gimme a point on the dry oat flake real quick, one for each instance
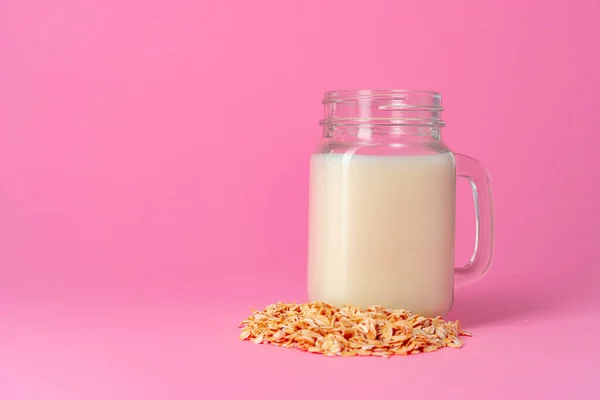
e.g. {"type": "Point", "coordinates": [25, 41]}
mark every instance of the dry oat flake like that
{"type": "Point", "coordinates": [349, 331]}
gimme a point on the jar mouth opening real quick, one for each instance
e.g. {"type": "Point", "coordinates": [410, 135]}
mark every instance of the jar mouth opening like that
{"type": "Point", "coordinates": [383, 107]}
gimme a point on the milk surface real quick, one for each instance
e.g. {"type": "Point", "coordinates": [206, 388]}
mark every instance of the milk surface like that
{"type": "Point", "coordinates": [381, 231]}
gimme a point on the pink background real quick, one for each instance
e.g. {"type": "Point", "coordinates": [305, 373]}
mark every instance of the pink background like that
{"type": "Point", "coordinates": [153, 187]}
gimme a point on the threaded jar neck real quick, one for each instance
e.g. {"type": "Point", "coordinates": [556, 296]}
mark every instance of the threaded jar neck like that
{"type": "Point", "coordinates": [388, 111]}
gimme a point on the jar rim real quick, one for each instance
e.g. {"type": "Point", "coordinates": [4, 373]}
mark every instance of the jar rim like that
{"type": "Point", "coordinates": [334, 96]}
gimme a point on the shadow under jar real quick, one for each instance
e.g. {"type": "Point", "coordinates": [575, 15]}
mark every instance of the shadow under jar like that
{"type": "Point", "coordinates": [382, 205]}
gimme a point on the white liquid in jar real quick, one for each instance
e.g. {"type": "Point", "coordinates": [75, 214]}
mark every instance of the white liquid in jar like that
{"type": "Point", "coordinates": [382, 231]}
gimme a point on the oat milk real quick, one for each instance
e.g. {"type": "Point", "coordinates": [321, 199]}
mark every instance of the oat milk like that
{"type": "Point", "coordinates": [382, 231]}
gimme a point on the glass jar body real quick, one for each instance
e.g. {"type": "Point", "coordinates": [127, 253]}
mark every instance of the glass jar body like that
{"type": "Point", "coordinates": [382, 219]}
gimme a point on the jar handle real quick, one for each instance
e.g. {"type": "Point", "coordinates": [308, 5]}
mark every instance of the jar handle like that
{"type": "Point", "coordinates": [479, 178]}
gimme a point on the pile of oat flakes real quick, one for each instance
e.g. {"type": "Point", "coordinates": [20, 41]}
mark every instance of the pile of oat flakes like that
{"type": "Point", "coordinates": [349, 331]}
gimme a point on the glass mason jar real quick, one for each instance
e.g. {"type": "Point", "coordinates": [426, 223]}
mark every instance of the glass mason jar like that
{"type": "Point", "coordinates": [382, 204]}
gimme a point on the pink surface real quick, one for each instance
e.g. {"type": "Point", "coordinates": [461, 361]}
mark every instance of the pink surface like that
{"type": "Point", "coordinates": [153, 187]}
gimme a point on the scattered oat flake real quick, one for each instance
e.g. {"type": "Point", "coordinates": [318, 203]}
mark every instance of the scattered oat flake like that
{"type": "Point", "coordinates": [321, 328]}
